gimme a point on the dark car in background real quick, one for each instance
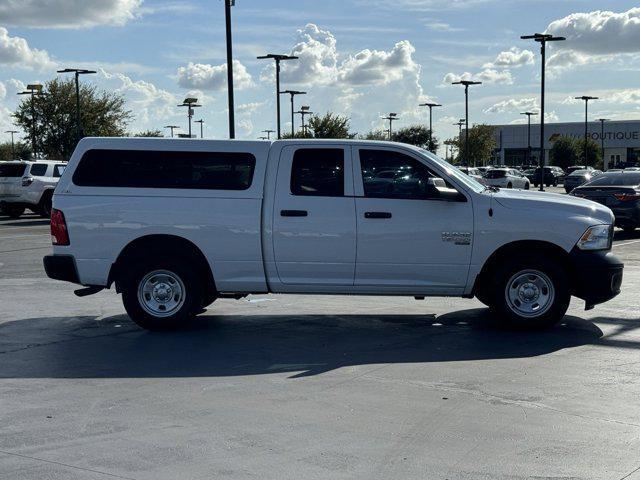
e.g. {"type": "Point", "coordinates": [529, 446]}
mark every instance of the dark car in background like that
{"type": "Point", "coordinates": [552, 176]}
{"type": "Point", "coordinates": [620, 191]}
{"type": "Point", "coordinates": [574, 168]}
{"type": "Point", "coordinates": [579, 177]}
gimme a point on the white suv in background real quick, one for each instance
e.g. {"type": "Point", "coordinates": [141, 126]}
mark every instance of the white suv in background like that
{"type": "Point", "coordinates": [506, 178]}
{"type": "Point", "coordinates": [29, 185]}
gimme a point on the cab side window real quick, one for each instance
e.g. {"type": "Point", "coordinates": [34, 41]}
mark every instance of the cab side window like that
{"type": "Point", "coordinates": [389, 174]}
{"type": "Point", "coordinates": [318, 172]}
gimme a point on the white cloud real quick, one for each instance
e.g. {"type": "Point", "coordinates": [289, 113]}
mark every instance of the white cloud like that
{"type": "Point", "coordinates": [213, 77]}
{"type": "Point", "coordinates": [600, 32]}
{"type": "Point", "coordinates": [512, 58]}
{"type": "Point", "coordinates": [245, 126]}
{"type": "Point", "coordinates": [514, 105]}
{"type": "Point", "coordinates": [374, 67]}
{"type": "Point", "coordinates": [439, 26]}
{"type": "Point", "coordinates": [67, 13]}
{"type": "Point", "coordinates": [3, 91]}
{"type": "Point", "coordinates": [249, 108]}
{"type": "Point", "coordinates": [488, 75]}
{"type": "Point", "coordinates": [15, 52]}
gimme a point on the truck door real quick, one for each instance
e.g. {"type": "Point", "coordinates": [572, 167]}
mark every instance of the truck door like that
{"type": "Point", "coordinates": [409, 238]}
{"type": "Point", "coordinates": [314, 220]}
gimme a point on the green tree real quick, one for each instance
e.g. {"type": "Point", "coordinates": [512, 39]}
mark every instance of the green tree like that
{"type": "Point", "coordinates": [417, 135]}
{"type": "Point", "coordinates": [565, 152]}
{"type": "Point", "coordinates": [376, 135]}
{"type": "Point", "coordinates": [594, 151]}
{"type": "Point", "coordinates": [330, 125]}
{"type": "Point", "coordinates": [23, 151]}
{"type": "Point", "coordinates": [103, 115]}
{"type": "Point", "coordinates": [150, 134]}
{"type": "Point", "coordinates": [482, 142]}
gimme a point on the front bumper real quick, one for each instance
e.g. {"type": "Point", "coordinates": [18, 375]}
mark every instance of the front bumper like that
{"type": "Point", "coordinates": [61, 267]}
{"type": "Point", "coordinates": [597, 275]}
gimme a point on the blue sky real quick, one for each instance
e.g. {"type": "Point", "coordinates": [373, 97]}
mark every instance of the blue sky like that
{"type": "Point", "coordinates": [358, 58]}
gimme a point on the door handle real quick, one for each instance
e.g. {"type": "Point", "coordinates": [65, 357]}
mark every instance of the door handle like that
{"type": "Point", "coordinates": [377, 215]}
{"type": "Point", "coordinates": [294, 213]}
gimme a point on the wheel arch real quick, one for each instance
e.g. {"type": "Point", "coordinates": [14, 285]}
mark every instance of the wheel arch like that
{"type": "Point", "coordinates": [162, 243]}
{"type": "Point", "coordinates": [518, 248]}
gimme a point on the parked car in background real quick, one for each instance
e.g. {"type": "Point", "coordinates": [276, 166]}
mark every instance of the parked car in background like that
{"type": "Point", "coordinates": [28, 185]}
{"type": "Point", "coordinates": [529, 173]}
{"type": "Point", "coordinates": [620, 191]}
{"type": "Point", "coordinates": [579, 177]}
{"type": "Point", "coordinates": [506, 178]}
{"type": "Point", "coordinates": [574, 168]}
{"type": "Point", "coordinates": [473, 172]}
{"type": "Point", "coordinates": [552, 176]}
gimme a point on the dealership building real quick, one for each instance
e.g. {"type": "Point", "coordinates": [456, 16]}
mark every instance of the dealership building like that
{"type": "Point", "coordinates": [621, 141]}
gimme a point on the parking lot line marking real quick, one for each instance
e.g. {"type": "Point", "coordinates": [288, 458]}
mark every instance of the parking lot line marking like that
{"type": "Point", "coordinates": [625, 243]}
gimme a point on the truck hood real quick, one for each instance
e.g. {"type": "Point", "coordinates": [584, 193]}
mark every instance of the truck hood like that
{"type": "Point", "coordinates": [553, 202]}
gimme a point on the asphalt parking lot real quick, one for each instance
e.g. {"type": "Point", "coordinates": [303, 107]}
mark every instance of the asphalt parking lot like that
{"type": "Point", "coordinates": [297, 387]}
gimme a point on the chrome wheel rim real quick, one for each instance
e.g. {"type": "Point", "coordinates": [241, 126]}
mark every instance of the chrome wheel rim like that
{"type": "Point", "coordinates": [529, 293]}
{"type": "Point", "coordinates": [161, 293]}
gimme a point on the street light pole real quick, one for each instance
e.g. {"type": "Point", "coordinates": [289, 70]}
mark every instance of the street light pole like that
{"type": "Point", "coordinates": [13, 146]}
{"type": "Point", "coordinates": [466, 84]}
{"type": "Point", "coordinates": [227, 15]}
{"type": "Point", "coordinates": [304, 111]}
{"type": "Point", "coordinates": [431, 105]}
{"type": "Point", "coordinates": [172, 128]}
{"type": "Point", "coordinates": [33, 90]}
{"type": "Point", "coordinates": [293, 93]}
{"type": "Point", "coordinates": [528, 114]}
{"type": "Point", "coordinates": [77, 72]}
{"type": "Point", "coordinates": [391, 117]}
{"type": "Point", "coordinates": [602, 120]}
{"type": "Point", "coordinates": [190, 103]}
{"type": "Point", "coordinates": [268, 132]}
{"type": "Point", "coordinates": [586, 99]}
{"type": "Point", "coordinates": [201, 122]}
{"type": "Point", "coordinates": [542, 39]}
{"type": "Point", "coordinates": [278, 59]}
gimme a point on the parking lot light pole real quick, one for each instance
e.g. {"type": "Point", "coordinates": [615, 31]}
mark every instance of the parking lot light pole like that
{"type": "Point", "coordinates": [602, 120]}
{"type": "Point", "coordinates": [13, 145]}
{"type": "Point", "coordinates": [77, 72]}
{"type": "Point", "coordinates": [293, 93]}
{"type": "Point", "coordinates": [586, 99]}
{"type": "Point", "coordinates": [459, 124]}
{"type": "Point", "coordinates": [227, 16]}
{"type": "Point", "coordinates": [278, 59]}
{"type": "Point", "coordinates": [268, 132]}
{"type": "Point", "coordinates": [304, 111]}
{"type": "Point", "coordinates": [190, 103]}
{"type": "Point", "coordinates": [33, 90]}
{"type": "Point", "coordinates": [542, 39]}
{"type": "Point", "coordinates": [392, 117]}
{"type": "Point", "coordinates": [201, 122]}
{"type": "Point", "coordinates": [172, 128]}
{"type": "Point", "coordinates": [431, 106]}
{"type": "Point", "coordinates": [528, 114]}
{"type": "Point", "coordinates": [466, 84]}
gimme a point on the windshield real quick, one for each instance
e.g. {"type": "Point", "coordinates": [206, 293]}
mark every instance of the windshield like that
{"type": "Point", "coordinates": [616, 179]}
{"type": "Point", "coordinates": [454, 172]}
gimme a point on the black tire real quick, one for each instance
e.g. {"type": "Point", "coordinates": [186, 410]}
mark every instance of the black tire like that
{"type": "Point", "coordinates": [45, 205]}
{"type": "Point", "coordinates": [13, 211]}
{"type": "Point", "coordinates": [535, 185]}
{"type": "Point", "coordinates": [509, 185]}
{"type": "Point", "coordinates": [527, 186]}
{"type": "Point", "coordinates": [191, 288]}
{"type": "Point", "coordinates": [629, 229]}
{"type": "Point", "coordinates": [519, 272]}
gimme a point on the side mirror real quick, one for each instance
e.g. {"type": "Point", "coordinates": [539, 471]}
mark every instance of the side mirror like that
{"type": "Point", "coordinates": [439, 188]}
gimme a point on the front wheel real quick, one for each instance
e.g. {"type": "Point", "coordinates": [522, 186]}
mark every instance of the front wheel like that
{"type": "Point", "coordinates": [162, 294]}
{"type": "Point", "coordinates": [531, 291]}
{"type": "Point", "coordinates": [527, 186]}
{"type": "Point", "coordinates": [509, 185]}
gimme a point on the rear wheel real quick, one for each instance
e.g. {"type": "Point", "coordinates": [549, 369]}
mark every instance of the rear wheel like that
{"type": "Point", "coordinates": [45, 205]}
{"type": "Point", "coordinates": [530, 291]}
{"type": "Point", "coordinates": [509, 185]}
{"type": "Point", "coordinates": [162, 294]}
{"type": "Point", "coordinates": [527, 186]}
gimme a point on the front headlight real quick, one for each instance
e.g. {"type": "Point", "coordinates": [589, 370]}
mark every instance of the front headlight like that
{"type": "Point", "coordinates": [599, 237]}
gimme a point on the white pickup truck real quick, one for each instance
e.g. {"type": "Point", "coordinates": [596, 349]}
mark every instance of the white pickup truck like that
{"type": "Point", "coordinates": [177, 224]}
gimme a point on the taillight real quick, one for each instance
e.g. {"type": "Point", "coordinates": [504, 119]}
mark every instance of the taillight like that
{"type": "Point", "coordinates": [26, 181]}
{"type": "Point", "coordinates": [627, 197]}
{"type": "Point", "coordinates": [59, 233]}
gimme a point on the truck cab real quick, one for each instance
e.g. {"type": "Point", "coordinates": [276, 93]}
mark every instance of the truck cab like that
{"type": "Point", "coordinates": [176, 224]}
